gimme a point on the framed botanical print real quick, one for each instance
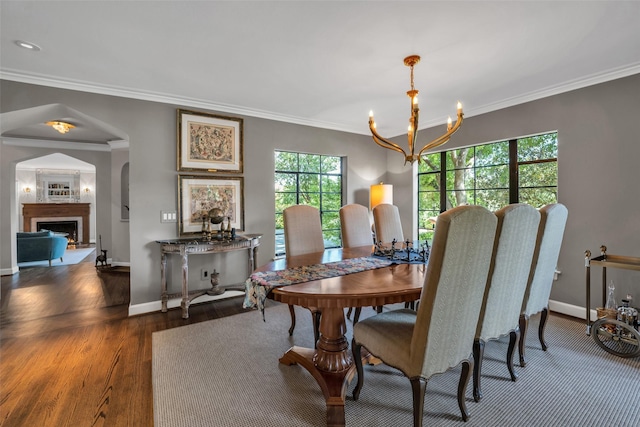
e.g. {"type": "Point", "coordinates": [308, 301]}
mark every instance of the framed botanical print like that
{"type": "Point", "coordinates": [197, 195]}
{"type": "Point", "coordinates": [209, 143]}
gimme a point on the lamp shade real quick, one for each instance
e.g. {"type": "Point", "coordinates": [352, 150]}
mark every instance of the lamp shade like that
{"type": "Point", "coordinates": [379, 194]}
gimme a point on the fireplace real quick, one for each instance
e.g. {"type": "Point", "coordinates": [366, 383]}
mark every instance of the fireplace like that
{"type": "Point", "coordinates": [38, 213]}
{"type": "Point", "coordinates": [68, 227]}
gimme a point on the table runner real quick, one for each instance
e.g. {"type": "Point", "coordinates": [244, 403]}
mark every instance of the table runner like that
{"type": "Point", "coordinates": [259, 284]}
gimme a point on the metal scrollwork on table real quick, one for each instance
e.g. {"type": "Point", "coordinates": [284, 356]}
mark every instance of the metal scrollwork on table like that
{"type": "Point", "coordinates": [407, 253]}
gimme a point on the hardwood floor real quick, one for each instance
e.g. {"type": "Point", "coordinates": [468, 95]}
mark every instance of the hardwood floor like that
{"type": "Point", "coordinates": [70, 356]}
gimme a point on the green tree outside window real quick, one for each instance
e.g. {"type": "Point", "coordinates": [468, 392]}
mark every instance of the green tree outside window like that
{"type": "Point", "coordinates": [523, 170]}
{"type": "Point", "coordinates": [309, 179]}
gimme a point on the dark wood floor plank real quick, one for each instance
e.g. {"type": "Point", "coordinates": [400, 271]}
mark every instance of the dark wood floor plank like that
{"type": "Point", "coordinates": [69, 354]}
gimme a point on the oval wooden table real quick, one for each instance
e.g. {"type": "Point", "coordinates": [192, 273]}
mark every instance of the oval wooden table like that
{"type": "Point", "coordinates": [331, 362]}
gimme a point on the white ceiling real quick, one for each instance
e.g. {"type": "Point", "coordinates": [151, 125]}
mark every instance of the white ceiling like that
{"type": "Point", "coordinates": [323, 64]}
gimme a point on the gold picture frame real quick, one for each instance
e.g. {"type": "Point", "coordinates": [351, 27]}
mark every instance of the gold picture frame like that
{"type": "Point", "coordinates": [208, 142]}
{"type": "Point", "coordinates": [197, 195]}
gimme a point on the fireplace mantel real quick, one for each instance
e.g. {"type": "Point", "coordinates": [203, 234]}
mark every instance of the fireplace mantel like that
{"type": "Point", "coordinates": [32, 211]}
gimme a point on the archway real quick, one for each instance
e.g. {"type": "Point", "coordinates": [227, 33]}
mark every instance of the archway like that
{"type": "Point", "coordinates": [25, 136]}
{"type": "Point", "coordinates": [67, 182]}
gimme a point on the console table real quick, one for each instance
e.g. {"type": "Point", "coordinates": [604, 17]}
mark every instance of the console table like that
{"type": "Point", "coordinates": [197, 246]}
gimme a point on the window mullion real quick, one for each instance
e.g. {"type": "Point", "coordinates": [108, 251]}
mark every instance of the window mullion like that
{"type": "Point", "coordinates": [443, 181]}
{"type": "Point", "coordinates": [514, 193]}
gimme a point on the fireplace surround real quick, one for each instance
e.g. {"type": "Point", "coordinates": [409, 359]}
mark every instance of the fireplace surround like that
{"type": "Point", "coordinates": [35, 213]}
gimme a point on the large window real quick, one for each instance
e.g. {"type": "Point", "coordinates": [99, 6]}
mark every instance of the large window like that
{"type": "Point", "coordinates": [522, 170]}
{"type": "Point", "coordinates": [309, 179]}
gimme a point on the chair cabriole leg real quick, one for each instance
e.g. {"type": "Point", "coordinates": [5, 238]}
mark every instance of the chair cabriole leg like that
{"type": "Point", "coordinates": [514, 338]}
{"type": "Point", "coordinates": [357, 358]}
{"type": "Point", "coordinates": [467, 366]}
{"type": "Point", "coordinates": [478, 353]}
{"type": "Point", "coordinates": [543, 323]}
{"type": "Point", "coordinates": [524, 323]}
{"type": "Point", "coordinates": [418, 387]}
{"type": "Point", "coordinates": [293, 319]}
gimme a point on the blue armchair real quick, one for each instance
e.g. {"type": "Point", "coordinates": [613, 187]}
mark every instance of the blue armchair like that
{"type": "Point", "coordinates": [40, 245]}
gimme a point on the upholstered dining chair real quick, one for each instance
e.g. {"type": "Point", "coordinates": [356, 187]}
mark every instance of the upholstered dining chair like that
{"type": "Point", "coordinates": [553, 219]}
{"type": "Point", "coordinates": [508, 277]}
{"type": "Point", "coordinates": [439, 334]}
{"type": "Point", "coordinates": [303, 235]}
{"type": "Point", "coordinates": [355, 226]}
{"type": "Point", "coordinates": [387, 225]}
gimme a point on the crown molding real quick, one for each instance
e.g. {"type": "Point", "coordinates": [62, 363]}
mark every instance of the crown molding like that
{"type": "Point", "coordinates": [59, 145]}
{"type": "Point", "coordinates": [50, 81]}
{"type": "Point", "coordinates": [558, 89]}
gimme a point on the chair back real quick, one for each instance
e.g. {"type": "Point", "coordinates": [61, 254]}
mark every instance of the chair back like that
{"type": "Point", "coordinates": [302, 230]}
{"type": "Point", "coordinates": [509, 273]}
{"type": "Point", "coordinates": [553, 218]}
{"type": "Point", "coordinates": [355, 226]}
{"type": "Point", "coordinates": [386, 218]}
{"type": "Point", "coordinates": [453, 290]}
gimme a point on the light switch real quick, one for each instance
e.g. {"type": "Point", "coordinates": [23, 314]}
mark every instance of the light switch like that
{"type": "Point", "coordinates": [166, 216]}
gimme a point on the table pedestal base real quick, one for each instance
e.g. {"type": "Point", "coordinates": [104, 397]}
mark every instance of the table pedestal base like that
{"type": "Point", "coordinates": [333, 384]}
{"type": "Point", "coordinates": [330, 363]}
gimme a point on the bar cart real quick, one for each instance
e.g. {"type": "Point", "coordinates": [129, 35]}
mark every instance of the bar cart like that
{"type": "Point", "coordinates": [616, 337]}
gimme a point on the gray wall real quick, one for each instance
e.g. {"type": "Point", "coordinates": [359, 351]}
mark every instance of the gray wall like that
{"type": "Point", "coordinates": [597, 143]}
{"type": "Point", "coordinates": [153, 179]}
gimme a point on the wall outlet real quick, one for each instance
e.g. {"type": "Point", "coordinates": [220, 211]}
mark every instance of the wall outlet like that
{"type": "Point", "coordinates": [204, 274]}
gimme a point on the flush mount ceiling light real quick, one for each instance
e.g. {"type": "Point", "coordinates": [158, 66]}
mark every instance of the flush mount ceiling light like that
{"type": "Point", "coordinates": [28, 45]}
{"type": "Point", "coordinates": [412, 133]}
{"type": "Point", "coordinates": [62, 127]}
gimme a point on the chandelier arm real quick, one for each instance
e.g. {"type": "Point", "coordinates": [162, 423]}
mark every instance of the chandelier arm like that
{"type": "Point", "coordinates": [384, 142]}
{"type": "Point", "coordinates": [433, 144]}
{"type": "Point", "coordinates": [444, 138]}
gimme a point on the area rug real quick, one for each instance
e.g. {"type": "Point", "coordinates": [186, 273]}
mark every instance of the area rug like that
{"type": "Point", "coordinates": [71, 257]}
{"type": "Point", "coordinates": [225, 372]}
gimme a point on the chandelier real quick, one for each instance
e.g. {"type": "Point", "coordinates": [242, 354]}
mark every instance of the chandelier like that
{"type": "Point", "coordinates": [412, 133]}
{"type": "Point", "coordinates": [62, 127]}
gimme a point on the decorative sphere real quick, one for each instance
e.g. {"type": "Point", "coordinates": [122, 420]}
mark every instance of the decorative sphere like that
{"type": "Point", "coordinates": [216, 215]}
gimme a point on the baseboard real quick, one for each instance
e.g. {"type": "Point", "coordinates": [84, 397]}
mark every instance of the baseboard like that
{"type": "Point", "coordinates": [120, 264]}
{"type": "Point", "coordinates": [9, 271]}
{"type": "Point", "coordinates": [571, 310]}
{"type": "Point", "coordinates": [150, 307]}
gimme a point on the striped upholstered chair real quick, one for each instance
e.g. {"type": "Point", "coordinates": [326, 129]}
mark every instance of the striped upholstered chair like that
{"type": "Point", "coordinates": [553, 218]}
{"type": "Point", "coordinates": [355, 228]}
{"type": "Point", "coordinates": [303, 235]}
{"type": "Point", "coordinates": [508, 277]}
{"type": "Point", "coordinates": [439, 335]}
{"type": "Point", "coordinates": [387, 225]}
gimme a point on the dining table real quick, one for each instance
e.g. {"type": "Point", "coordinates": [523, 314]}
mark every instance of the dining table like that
{"type": "Point", "coordinates": [331, 362]}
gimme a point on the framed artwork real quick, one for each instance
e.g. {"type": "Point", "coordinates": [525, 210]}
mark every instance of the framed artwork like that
{"type": "Point", "coordinates": [210, 143]}
{"type": "Point", "coordinates": [197, 195]}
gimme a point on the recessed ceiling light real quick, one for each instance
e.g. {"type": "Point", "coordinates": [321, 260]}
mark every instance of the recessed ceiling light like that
{"type": "Point", "coordinates": [27, 45]}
